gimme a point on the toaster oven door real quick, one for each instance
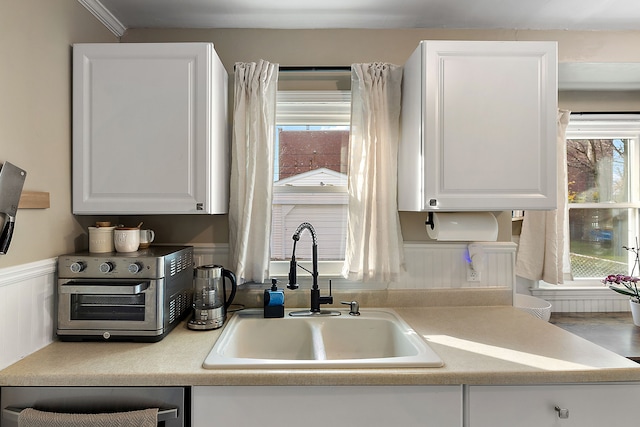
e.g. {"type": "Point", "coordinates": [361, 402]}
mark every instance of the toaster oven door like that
{"type": "Point", "coordinates": [110, 305]}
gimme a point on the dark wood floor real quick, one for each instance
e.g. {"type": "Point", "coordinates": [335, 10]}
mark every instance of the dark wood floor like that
{"type": "Point", "coordinates": [613, 331]}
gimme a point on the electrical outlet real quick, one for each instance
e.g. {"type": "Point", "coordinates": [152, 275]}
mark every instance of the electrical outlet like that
{"type": "Point", "coordinates": [473, 275]}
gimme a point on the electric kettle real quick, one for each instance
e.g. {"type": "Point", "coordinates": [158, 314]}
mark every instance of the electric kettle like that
{"type": "Point", "coordinates": [210, 302]}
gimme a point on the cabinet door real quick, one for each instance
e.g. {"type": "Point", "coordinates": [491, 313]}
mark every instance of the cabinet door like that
{"type": "Point", "coordinates": [149, 129]}
{"type": "Point", "coordinates": [587, 405]}
{"type": "Point", "coordinates": [479, 127]}
{"type": "Point", "coordinates": [320, 406]}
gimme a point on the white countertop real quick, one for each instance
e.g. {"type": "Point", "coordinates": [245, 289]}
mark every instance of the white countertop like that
{"type": "Point", "coordinates": [479, 345]}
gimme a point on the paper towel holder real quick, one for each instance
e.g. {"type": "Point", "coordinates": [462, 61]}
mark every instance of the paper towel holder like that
{"type": "Point", "coordinates": [429, 220]}
{"type": "Point", "coordinates": [462, 226]}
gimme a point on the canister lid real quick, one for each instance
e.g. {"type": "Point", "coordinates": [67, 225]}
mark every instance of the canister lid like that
{"type": "Point", "coordinates": [102, 229]}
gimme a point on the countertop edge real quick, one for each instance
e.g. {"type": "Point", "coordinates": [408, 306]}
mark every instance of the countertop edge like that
{"type": "Point", "coordinates": [545, 354]}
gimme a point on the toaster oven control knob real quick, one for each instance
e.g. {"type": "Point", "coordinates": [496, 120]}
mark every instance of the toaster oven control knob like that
{"type": "Point", "coordinates": [77, 267]}
{"type": "Point", "coordinates": [106, 267]}
{"type": "Point", "coordinates": [135, 267]}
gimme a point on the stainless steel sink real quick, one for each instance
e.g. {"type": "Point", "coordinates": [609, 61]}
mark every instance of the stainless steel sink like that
{"type": "Point", "coordinates": [375, 339]}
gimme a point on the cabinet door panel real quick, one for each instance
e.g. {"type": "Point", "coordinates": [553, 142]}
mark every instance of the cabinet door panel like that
{"type": "Point", "coordinates": [149, 129]}
{"type": "Point", "coordinates": [149, 102]}
{"type": "Point", "coordinates": [479, 127]}
{"type": "Point", "coordinates": [483, 130]}
{"type": "Point", "coordinates": [588, 405]}
{"type": "Point", "coordinates": [320, 406]}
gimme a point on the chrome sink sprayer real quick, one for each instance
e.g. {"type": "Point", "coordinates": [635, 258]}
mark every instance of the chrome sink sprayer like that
{"type": "Point", "coordinates": [316, 299]}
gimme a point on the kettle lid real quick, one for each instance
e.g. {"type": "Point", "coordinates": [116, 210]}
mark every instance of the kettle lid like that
{"type": "Point", "coordinates": [208, 271]}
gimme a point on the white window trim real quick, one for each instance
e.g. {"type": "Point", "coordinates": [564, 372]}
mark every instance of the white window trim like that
{"type": "Point", "coordinates": [606, 126]}
{"type": "Point", "coordinates": [312, 108]}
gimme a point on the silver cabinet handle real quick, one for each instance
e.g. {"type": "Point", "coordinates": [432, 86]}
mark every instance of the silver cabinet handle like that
{"type": "Point", "coordinates": [562, 413]}
{"type": "Point", "coordinates": [12, 414]}
{"type": "Point", "coordinates": [167, 414]}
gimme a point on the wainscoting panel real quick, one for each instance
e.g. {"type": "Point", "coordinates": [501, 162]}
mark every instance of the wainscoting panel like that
{"type": "Point", "coordinates": [429, 265]}
{"type": "Point", "coordinates": [583, 300]}
{"type": "Point", "coordinates": [444, 265]}
{"type": "Point", "coordinates": [26, 309]}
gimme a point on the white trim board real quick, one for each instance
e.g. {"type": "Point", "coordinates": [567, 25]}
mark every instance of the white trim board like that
{"type": "Point", "coordinates": [583, 300]}
{"type": "Point", "coordinates": [98, 10]}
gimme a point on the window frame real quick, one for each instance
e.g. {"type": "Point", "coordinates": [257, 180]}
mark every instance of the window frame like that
{"type": "Point", "coordinates": [608, 126]}
{"type": "Point", "coordinates": [316, 108]}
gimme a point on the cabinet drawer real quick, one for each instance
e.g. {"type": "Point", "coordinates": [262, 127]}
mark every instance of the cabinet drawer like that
{"type": "Point", "coordinates": [582, 405]}
{"type": "Point", "coordinates": [321, 406]}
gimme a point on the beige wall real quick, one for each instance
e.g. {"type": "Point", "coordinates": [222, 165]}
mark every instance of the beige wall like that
{"type": "Point", "coordinates": [35, 115]}
{"type": "Point", "coordinates": [344, 47]}
{"type": "Point", "coordinates": [35, 108]}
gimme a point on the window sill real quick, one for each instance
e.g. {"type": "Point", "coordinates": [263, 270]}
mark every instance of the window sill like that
{"type": "Point", "coordinates": [573, 284]}
{"type": "Point", "coordinates": [570, 292]}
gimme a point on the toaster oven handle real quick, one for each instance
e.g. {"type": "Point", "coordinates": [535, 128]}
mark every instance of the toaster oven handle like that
{"type": "Point", "coordinates": [89, 288]}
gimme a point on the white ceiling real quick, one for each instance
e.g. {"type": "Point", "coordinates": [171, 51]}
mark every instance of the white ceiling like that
{"type": "Point", "coordinates": [287, 14]}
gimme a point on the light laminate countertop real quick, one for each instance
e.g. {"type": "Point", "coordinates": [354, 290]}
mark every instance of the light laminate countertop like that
{"type": "Point", "coordinates": [614, 331]}
{"type": "Point", "coordinates": [479, 345]}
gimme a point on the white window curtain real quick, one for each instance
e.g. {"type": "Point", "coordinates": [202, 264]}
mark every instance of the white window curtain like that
{"type": "Point", "coordinates": [374, 249]}
{"type": "Point", "coordinates": [252, 152]}
{"type": "Point", "coordinates": [542, 251]}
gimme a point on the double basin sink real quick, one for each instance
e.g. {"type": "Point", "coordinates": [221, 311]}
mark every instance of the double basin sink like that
{"type": "Point", "coordinates": [378, 338]}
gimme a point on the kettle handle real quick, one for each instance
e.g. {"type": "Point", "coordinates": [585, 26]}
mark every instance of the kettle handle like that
{"type": "Point", "coordinates": [234, 286]}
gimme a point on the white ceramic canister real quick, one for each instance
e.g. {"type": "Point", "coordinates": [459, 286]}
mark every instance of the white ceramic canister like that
{"type": "Point", "coordinates": [101, 239]}
{"type": "Point", "coordinates": [126, 239]}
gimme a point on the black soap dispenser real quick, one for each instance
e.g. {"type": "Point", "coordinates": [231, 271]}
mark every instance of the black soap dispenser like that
{"type": "Point", "coordinates": [273, 301]}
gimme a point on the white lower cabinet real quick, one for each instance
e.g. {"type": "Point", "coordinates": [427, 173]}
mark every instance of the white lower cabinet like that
{"type": "Point", "coordinates": [549, 405]}
{"type": "Point", "coordinates": [578, 405]}
{"type": "Point", "coordinates": [321, 406]}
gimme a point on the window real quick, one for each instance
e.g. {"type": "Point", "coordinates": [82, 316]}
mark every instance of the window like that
{"type": "Point", "coordinates": [310, 176]}
{"type": "Point", "coordinates": [603, 181]}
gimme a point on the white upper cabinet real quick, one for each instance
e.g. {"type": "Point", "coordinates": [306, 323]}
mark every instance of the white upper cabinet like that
{"type": "Point", "coordinates": [149, 129]}
{"type": "Point", "coordinates": [479, 127]}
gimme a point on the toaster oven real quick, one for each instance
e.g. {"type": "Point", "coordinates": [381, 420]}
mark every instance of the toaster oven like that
{"type": "Point", "coordinates": [137, 296]}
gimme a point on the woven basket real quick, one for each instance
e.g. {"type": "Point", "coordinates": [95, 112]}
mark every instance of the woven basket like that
{"type": "Point", "coordinates": [535, 306]}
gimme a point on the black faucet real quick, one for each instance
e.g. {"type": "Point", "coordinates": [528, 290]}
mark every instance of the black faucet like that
{"type": "Point", "coordinates": [316, 299]}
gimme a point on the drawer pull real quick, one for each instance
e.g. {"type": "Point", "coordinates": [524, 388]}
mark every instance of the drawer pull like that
{"type": "Point", "coordinates": [562, 413]}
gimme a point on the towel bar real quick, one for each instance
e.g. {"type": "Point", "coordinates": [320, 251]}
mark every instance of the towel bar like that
{"type": "Point", "coordinates": [11, 414]}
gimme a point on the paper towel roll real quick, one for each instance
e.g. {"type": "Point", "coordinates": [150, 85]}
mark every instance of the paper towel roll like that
{"type": "Point", "coordinates": [463, 226]}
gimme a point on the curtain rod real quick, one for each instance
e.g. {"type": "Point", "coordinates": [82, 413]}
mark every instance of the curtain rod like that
{"type": "Point", "coordinates": [315, 68]}
{"type": "Point", "coordinates": [588, 113]}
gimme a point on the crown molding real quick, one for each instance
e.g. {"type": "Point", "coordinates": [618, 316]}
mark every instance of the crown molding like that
{"type": "Point", "coordinates": [98, 10]}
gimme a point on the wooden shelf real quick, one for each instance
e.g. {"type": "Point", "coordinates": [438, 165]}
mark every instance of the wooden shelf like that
{"type": "Point", "coordinates": [34, 200]}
